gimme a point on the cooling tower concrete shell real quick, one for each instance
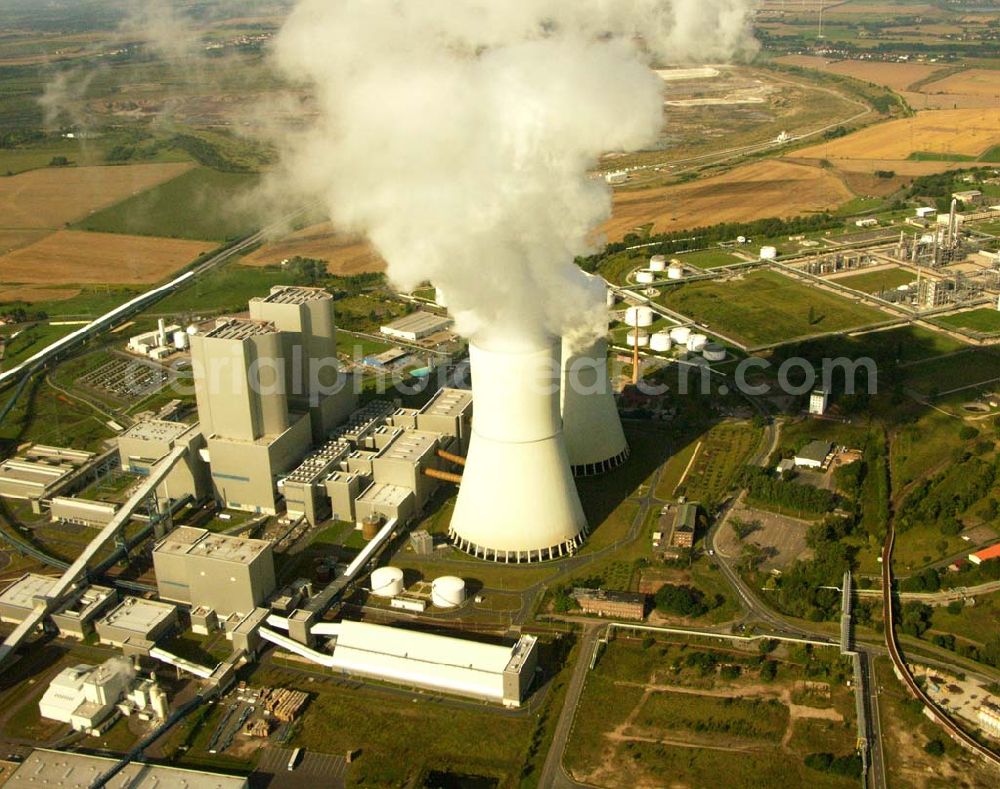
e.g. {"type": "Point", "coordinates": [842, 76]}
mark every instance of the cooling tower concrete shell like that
{"type": "Point", "coordinates": [595, 441]}
{"type": "Point", "coordinates": [448, 591]}
{"type": "Point", "coordinates": [658, 263]}
{"type": "Point", "coordinates": [387, 581]}
{"type": "Point", "coordinates": [660, 342]}
{"type": "Point", "coordinates": [517, 501]}
{"type": "Point", "coordinates": [641, 315]}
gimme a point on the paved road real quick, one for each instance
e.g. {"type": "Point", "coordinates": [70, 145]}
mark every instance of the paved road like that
{"type": "Point", "coordinates": [553, 775]}
{"type": "Point", "coordinates": [945, 596]}
{"type": "Point", "coordinates": [876, 755]}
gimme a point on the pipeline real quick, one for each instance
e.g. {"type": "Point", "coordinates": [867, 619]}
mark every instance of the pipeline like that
{"type": "Point", "coordinates": [444, 476]}
{"type": "Point", "coordinates": [458, 460]}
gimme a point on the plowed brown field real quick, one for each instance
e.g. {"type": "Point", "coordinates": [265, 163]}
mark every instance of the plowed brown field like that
{"type": "Point", "coordinates": [344, 255]}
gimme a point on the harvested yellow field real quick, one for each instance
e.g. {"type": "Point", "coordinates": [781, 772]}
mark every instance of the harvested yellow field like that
{"type": "Point", "coordinates": [15, 239]}
{"type": "Point", "coordinates": [53, 196]}
{"type": "Point", "coordinates": [901, 168]}
{"type": "Point", "coordinates": [755, 191]}
{"type": "Point", "coordinates": [72, 257]}
{"type": "Point", "coordinates": [968, 132]}
{"type": "Point", "coordinates": [32, 294]}
{"type": "Point", "coordinates": [974, 82]}
{"type": "Point", "coordinates": [343, 254]}
{"type": "Point", "coordinates": [898, 76]}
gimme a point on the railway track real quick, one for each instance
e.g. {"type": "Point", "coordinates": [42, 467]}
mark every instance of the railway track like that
{"type": "Point", "coordinates": [902, 670]}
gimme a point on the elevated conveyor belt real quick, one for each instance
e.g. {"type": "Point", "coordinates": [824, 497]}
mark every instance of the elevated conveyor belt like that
{"type": "Point", "coordinates": [79, 567]}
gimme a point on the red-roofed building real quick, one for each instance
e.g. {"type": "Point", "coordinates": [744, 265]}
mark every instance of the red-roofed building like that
{"type": "Point", "coordinates": [993, 552]}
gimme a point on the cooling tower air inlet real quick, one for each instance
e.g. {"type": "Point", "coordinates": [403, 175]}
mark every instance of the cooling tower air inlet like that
{"type": "Point", "coordinates": [517, 501]}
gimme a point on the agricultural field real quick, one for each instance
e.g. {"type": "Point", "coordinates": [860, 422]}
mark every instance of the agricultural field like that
{"type": "Point", "coordinates": [28, 294]}
{"type": "Point", "coordinates": [344, 255]}
{"type": "Point", "coordinates": [946, 132]}
{"type": "Point", "coordinates": [765, 307]}
{"type": "Point", "coordinates": [201, 204]}
{"type": "Point", "coordinates": [876, 281]}
{"type": "Point", "coordinates": [984, 319]}
{"type": "Point", "coordinates": [753, 191]}
{"type": "Point", "coordinates": [71, 257]}
{"type": "Point", "coordinates": [972, 88]}
{"type": "Point", "coordinates": [53, 197]}
{"type": "Point", "coordinates": [897, 76]}
{"type": "Point", "coordinates": [704, 717]}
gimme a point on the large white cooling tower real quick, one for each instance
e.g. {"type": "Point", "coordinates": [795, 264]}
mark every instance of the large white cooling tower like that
{"type": "Point", "coordinates": [517, 501]}
{"type": "Point", "coordinates": [595, 441]}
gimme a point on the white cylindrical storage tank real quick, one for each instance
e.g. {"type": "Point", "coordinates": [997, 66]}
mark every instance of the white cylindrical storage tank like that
{"type": "Point", "coordinates": [448, 591]}
{"type": "Point", "coordinates": [641, 316]}
{"type": "Point", "coordinates": [517, 501]}
{"type": "Point", "coordinates": [658, 263]}
{"type": "Point", "coordinates": [595, 441]}
{"type": "Point", "coordinates": [192, 330]}
{"type": "Point", "coordinates": [645, 277]}
{"type": "Point", "coordinates": [180, 340]}
{"type": "Point", "coordinates": [680, 334]}
{"type": "Point", "coordinates": [387, 581]}
{"type": "Point", "coordinates": [697, 342]}
{"type": "Point", "coordinates": [660, 342]}
{"type": "Point", "coordinates": [610, 299]}
{"type": "Point", "coordinates": [675, 271]}
{"type": "Point", "coordinates": [714, 352]}
{"type": "Point", "coordinates": [632, 339]}
{"type": "Point", "coordinates": [741, 239]}
{"type": "Point", "coordinates": [768, 253]}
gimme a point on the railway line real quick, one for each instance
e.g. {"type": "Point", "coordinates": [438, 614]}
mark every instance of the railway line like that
{"type": "Point", "coordinates": [903, 671]}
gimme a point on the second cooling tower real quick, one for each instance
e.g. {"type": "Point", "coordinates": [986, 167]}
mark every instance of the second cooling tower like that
{"type": "Point", "coordinates": [595, 441]}
{"type": "Point", "coordinates": [517, 501]}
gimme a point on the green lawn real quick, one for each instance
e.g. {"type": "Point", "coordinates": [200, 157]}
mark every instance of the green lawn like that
{"type": "Point", "coordinates": [709, 258]}
{"type": "Point", "coordinates": [981, 365]}
{"type": "Point", "coordinates": [992, 155]}
{"type": "Point", "coordinates": [984, 319]}
{"type": "Point", "coordinates": [201, 204]}
{"type": "Point", "coordinates": [765, 307]}
{"type": "Point", "coordinates": [877, 281]}
{"type": "Point", "coordinates": [904, 344]}
{"type": "Point", "coordinates": [30, 341]}
{"type": "Point", "coordinates": [226, 289]}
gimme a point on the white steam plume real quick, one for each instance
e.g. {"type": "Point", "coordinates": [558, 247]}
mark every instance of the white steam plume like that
{"type": "Point", "coordinates": [458, 134]}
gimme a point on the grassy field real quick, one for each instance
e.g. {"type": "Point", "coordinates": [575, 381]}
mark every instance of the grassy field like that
{"type": "Point", "coordinates": [709, 258]}
{"type": "Point", "coordinates": [923, 445]}
{"type": "Point", "coordinates": [226, 289]}
{"type": "Point", "coordinates": [876, 281]}
{"type": "Point", "coordinates": [201, 204]}
{"type": "Point", "coordinates": [979, 366]}
{"type": "Point", "coordinates": [985, 320]}
{"type": "Point", "coordinates": [723, 452]}
{"type": "Point", "coordinates": [765, 307]}
{"type": "Point", "coordinates": [904, 344]}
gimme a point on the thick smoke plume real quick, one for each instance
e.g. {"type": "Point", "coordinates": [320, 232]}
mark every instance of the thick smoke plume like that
{"type": "Point", "coordinates": [457, 135]}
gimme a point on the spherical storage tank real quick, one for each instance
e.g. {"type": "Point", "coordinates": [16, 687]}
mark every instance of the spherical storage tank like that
{"type": "Point", "coordinates": [645, 277]}
{"type": "Point", "coordinates": [387, 581]}
{"type": "Point", "coordinates": [680, 335]}
{"type": "Point", "coordinates": [642, 341]}
{"type": "Point", "coordinates": [697, 342]}
{"type": "Point", "coordinates": [643, 316]}
{"type": "Point", "coordinates": [658, 263]}
{"type": "Point", "coordinates": [660, 342]}
{"type": "Point", "coordinates": [448, 591]}
{"type": "Point", "coordinates": [714, 352]}
{"type": "Point", "coordinates": [675, 271]}
{"type": "Point", "coordinates": [768, 253]}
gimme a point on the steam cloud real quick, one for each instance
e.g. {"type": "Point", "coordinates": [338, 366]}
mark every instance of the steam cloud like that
{"type": "Point", "coordinates": [457, 136]}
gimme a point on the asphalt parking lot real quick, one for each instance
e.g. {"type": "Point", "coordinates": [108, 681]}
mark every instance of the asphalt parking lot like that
{"type": "Point", "coordinates": [313, 769]}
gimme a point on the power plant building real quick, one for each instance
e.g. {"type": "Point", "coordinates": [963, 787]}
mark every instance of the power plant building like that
{"type": "Point", "coordinates": [143, 445]}
{"type": "Point", "coordinates": [227, 575]}
{"type": "Point", "coordinates": [136, 624]}
{"type": "Point", "coordinates": [417, 326]}
{"type": "Point", "coordinates": [74, 617]}
{"type": "Point", "coordinates": [40, 471]}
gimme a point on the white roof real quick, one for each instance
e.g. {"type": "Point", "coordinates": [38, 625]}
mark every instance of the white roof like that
{"type": "Point", "coordinates": [79, 771]}
{"type": "Point", "coordinates": [425, 659]}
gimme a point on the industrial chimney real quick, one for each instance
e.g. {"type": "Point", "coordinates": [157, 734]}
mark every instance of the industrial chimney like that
{"type": "Point", "coordinates": [595, 441]}
{"type": "Point", "coordinates": [517, 501]}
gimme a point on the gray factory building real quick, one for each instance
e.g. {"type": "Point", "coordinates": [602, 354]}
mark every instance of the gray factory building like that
{"type": "Point", "coordinates": [145, 443]}
{"type": "Point", "coordinates": [40, 471]}
{"type": "Point", "coordinates": [252, 435]}
{"type": "Point", "coordinates": [74, 617]}
{"type": "Point", "coordinates": [217, 572]}
{"type": "Point", "coordinates": [384, 463]}
{"type": "Point", "coordinates": [136, 624]}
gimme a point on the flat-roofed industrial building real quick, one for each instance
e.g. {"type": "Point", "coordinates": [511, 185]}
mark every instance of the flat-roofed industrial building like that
{"type": "Point", "coordinates": [39, 471]}
{"type": "Point", "coordinates": [603, 602]}
{"type": "Point", "coordinates": [80, 771]}
{"type": "Point", "coordinates": [74, 618]}
{"type": "Point", "coordinates": [136, 624]}
{"type": "Point", "coordinates": [416, 326]}
{"type": "Point", "coordinates": [145, 443]}
{"type": "Point", "coordinates": [228, 575]}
